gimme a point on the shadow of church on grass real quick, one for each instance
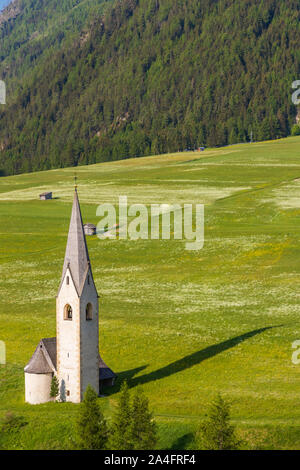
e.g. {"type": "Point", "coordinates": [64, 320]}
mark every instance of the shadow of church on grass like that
{"type": "Point", "coordinates": [185, 362]}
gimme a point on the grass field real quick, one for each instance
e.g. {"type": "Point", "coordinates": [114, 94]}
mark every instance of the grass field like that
{"type": "Point", "coordinates": [182, 324]}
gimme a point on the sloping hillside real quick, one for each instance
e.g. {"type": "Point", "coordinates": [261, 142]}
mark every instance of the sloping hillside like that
{"type": "Point", "coordinates": [148, 77]}
{"type": "Point", "coordinates": [182, 325]}
{"type": "Point", "coordinates": [32, 30]}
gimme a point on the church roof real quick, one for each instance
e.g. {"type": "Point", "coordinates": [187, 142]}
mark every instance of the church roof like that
{"type": "Point", "coordinates": [76, 256]}
{"type": "Point", "coordinates": [43, 360]}
{"type": "Point", "coordinates": [50, 347]}
{"type": "Point", "coordinates": [105, 371]}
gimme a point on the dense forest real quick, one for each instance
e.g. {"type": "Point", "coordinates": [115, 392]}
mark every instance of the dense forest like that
{"type": "Point", "coordinates": [92, 81]}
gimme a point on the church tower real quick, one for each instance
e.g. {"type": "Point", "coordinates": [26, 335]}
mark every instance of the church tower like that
{"type": "Point", "coordinates": [73, 356]}
{"type": "Point", "coordinates": [77, 317]}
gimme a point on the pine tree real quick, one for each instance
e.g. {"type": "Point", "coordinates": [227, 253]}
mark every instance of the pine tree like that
{"type": "Point", "coordinates": [295, 130]}
{"type": "Point", "coordinates": [92, 431]}
{"type": "Point", "coordinates": [122, 421]}
{"type": "Point", "coordinates": [143, 428]}
{"type": "Point", "coordinates": [54, 391]}
{"type": "Point", "coordinates": [216, 433]}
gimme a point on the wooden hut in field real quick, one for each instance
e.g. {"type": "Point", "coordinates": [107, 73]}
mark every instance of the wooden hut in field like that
{"type": "Point", "coordinates": [89, 229]}
{"type": "Point", "coordinates": [45, 196]}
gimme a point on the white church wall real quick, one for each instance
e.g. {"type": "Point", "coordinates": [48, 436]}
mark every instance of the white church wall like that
{"type": "Point", "coordinates": [89, 336]}
{"type": "Point", "coordinates": [37, 388]}
{"type": "Point", "coordinates": [68, 342]}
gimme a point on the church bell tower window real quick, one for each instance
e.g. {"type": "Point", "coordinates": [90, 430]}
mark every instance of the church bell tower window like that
{"type": "Point", "coordinates": [68, 313]}
{"type": "Point", "coordinates": [89, 312]}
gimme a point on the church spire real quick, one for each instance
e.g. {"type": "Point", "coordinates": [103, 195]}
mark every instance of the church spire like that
{"type": "Point", "coordinates": [76, 256]}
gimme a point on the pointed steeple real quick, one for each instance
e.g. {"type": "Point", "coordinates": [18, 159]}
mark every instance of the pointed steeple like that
{"type": "Point", "coordinates": [77, 256]}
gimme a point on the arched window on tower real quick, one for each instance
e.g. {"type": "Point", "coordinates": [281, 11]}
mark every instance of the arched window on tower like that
{"type": "Point", "coordinates": [89, 312]}
{"type": "Point", "coordinates": [68, 312]}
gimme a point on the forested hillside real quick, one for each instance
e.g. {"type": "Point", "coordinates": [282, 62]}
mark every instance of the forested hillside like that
{"type": "Point", "coordinates": [33, 30]}
{"type": "Point", "coordinates": [145, 77]}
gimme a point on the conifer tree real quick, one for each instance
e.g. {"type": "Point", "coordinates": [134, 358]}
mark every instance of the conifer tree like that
{"type": "Point", "coordinates": [216, 433]}
{"type": "Point", "coordinates": [296, 130]}
{"type": "Point", "coordinates": [92, 431]}
{"type": "Point", "coordinates": [122, 421]}
{"type": "Point", "coordinates": [54, 391]}
{"type": "Point", "coordinates": [143, 427]}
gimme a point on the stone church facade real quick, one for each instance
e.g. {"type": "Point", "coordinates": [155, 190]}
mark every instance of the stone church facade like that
{"type": "Point", "coordinates": [73, 356]}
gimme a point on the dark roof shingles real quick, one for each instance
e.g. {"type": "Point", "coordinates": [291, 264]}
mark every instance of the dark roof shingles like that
{"type": "Point", "coordinates": [39, 362]}
{"type": "Point", "coordinates": [105, 371]}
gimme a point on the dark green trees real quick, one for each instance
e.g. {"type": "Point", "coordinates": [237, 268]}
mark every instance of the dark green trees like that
{"type": "Point", "coordinates": [142, 428]}
{"type": "Point", "coordinates": [217, 433]}
{"type": "Point", "coordinates": [296, 129]}
{"type": "Point", "coordinates": [149, 77]}
{"type": "Point", "coordinates": [133, 425]}
{"type": "Point", "coordinates": [92, 431]}
{"type": "Point", "coordinates": [54, 391]}
{"type": "Point", "coordinates": [121, 426]}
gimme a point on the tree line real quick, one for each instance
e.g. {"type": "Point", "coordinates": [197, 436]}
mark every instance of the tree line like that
{"type": "Point", "coordinates": [154, 76]}
{"type": "Point", "coordinates": [133, 427]}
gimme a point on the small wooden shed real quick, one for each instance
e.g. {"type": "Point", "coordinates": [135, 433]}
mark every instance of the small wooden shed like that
{"type": "Point", "coordinates": [45, 196]}
{"type": "Point", "coordinates": [89, 229]}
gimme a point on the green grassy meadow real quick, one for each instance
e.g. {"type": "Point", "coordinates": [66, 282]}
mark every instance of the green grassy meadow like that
{"type": "Point", "coordinates": [183, 325]}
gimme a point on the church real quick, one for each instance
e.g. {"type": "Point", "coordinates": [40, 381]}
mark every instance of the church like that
{"type": "Point", "coordinates": [73, 356]}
